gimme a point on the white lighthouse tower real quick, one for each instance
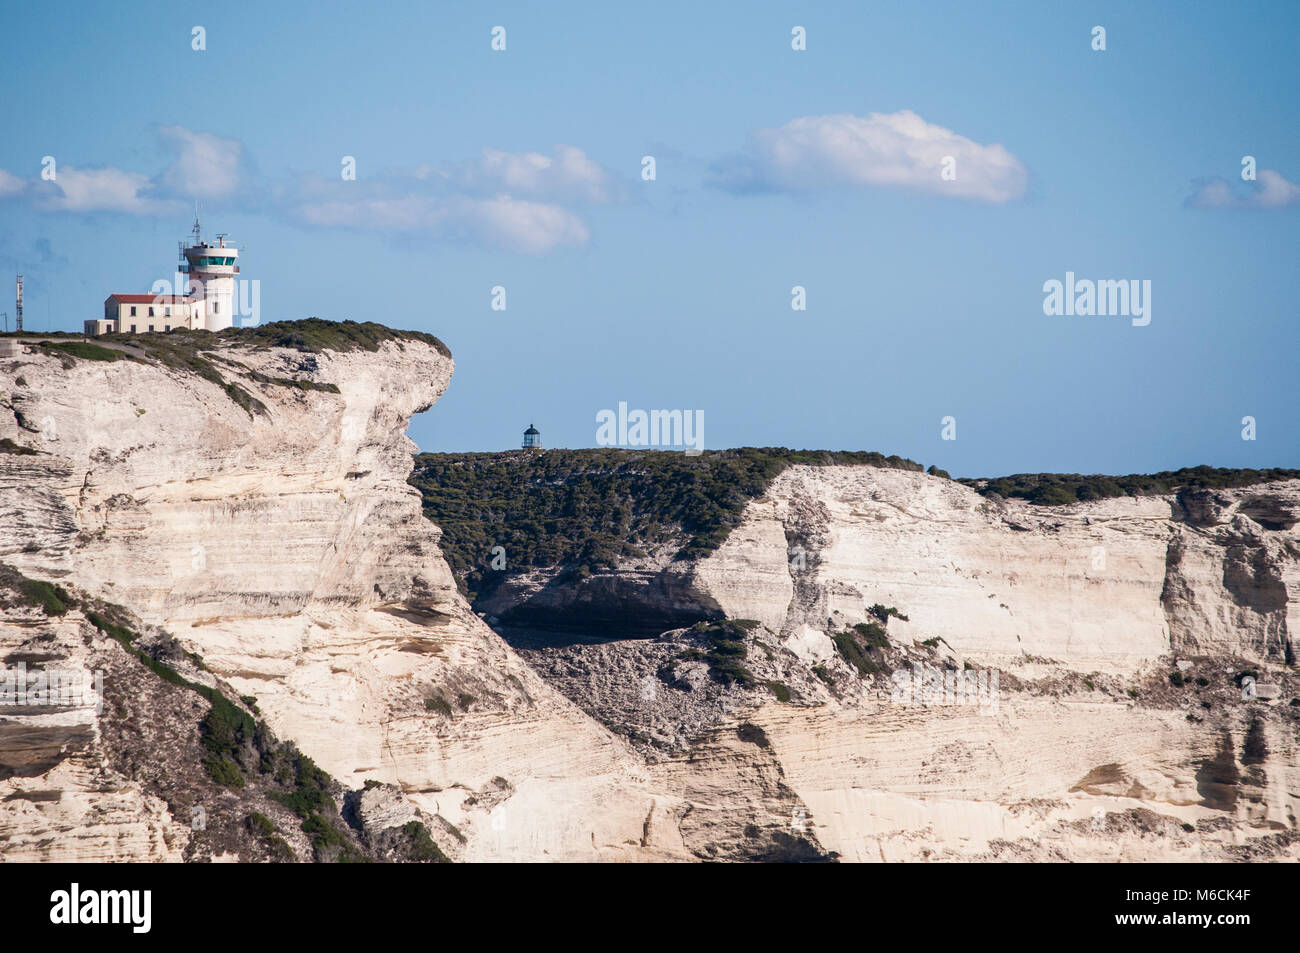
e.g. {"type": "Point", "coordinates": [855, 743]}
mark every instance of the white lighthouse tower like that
{"type": "Point", "coordinates": [211, 270]}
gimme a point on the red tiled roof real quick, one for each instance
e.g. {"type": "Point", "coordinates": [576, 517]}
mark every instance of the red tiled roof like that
{"type": "Point", "coordinates": [148, 299]}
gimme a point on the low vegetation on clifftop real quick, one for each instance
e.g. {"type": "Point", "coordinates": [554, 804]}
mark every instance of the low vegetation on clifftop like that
{"type": "Point", "coordinates": [1057, 489]}
{"type": "Point", "coordinates": [309, 335]}
{"type": "Point", "coordinates": [594, 509]}
{"type": "Point", "coordinates": [206, 354]}
{"type": "Point", "coordinates": [590, 509]}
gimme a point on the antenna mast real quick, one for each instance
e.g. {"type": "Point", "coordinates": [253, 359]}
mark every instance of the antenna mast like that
{"type": "Point", "coordinates": [20, 303]}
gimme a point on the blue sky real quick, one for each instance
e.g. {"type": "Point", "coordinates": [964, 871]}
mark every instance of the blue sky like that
{"type": "Point", "coordinates": [775, 168]}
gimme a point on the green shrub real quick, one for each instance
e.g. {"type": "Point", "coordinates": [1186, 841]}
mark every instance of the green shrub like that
{"type": "Point", "coordinates": [421, 846]}
{"type": "Point", "coordinates": [83, 350]}
{"type": "Point", "coordinates": [854, 652]}
{"type": "Point", "coordinates": [259, 824]}
{"type": "Point", "coordinates": [279, 848]}
{"type": "Point", "coordinates": [872, 634]}
{"type": "Point", "coordinates": [725, 650]}
{"type": "Point", "coordinates": [50, 599]}
{"type": "Point", "coordinates": [223, 771]}
{"type": "Point", "coordinates": [325, 837]}
{"type": "Point", "coordinates": [780, 690]}
{"type": "Point", "coordinates": [311, 789]}
{"type": "Point", "coordinates": [119, 632]}
{"type": "Point", "coordinates": [883, 613]}
{"type": "Point", "coordinates": [225, 729]}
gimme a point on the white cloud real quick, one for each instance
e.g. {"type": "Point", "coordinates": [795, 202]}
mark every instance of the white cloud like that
{"type": "Point", "coordinates": [10, 184]}
{"type": "Point", "coordinates": [569, 175]}
{"type": "Point", "coordinates": [1271, 190]}
{"type": "Point", "coordinates": [887, 150]}
{"type": "Point", "coordinates": [517, 224]}
{"type": "Point", "coordinates": [532, 227]}
{"type": "Point", "coordinates": [206, 166]}
{"type": "Point", "coordinates": [512, 200]}
{"type": "Point", "coordinates": [99, 190]}
{"type": "Point", "coordinates": [384, 214]}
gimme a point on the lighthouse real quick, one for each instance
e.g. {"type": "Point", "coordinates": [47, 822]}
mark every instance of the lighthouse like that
{"type": "Point", "coordinates": [211, 285]}
{"type": "Point", "coordinates": [532, 438]}
{"type": "Point", "coordinates": [207, 273]}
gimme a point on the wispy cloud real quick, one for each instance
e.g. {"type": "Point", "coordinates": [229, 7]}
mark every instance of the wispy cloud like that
{"type": "Point", "coordinates": [1269, 190]}
{"type": "Point", "coordinates": [567, 176]}
{"type": "Point", "coordinates": [98, 190]}
{"type": "Point", "coordinates": [518, 201]}
{"type": "Point", "coordinates": [883, 150]}
{"type": "Point", "coordinates": [516, 224]}
{"type": "Point", "coordinates": [523, 201]}
{"type": "Point", "coordinates": [204, 165]}
{"type": "Point", "coordinates": [10, 184]}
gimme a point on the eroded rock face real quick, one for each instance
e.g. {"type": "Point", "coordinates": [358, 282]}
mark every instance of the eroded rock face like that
{"type": "Point", "coordinates": [1109, 584]}
{"type": "Point", "coordinates": [1082, 611]}
{"type": "Point", "coordinates": [286, 548]}
{"type": "Point", "coordinates": [62, 795]}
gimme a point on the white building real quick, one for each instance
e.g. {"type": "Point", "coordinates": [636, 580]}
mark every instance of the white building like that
{"type": "Point", "coordinates": [208, 304]}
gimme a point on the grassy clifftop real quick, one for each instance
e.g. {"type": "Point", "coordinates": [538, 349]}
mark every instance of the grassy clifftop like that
{"type": "Point", "coordinates": [197, 351]}
{"type": "Point", "coordinates": [309, 335]}
{"type": "Point", "coordinates": [588, 509]}
{"type": "Point", "coordinates": [313, 335]}
{"type": "Point", "coordinates": [1055, 489]}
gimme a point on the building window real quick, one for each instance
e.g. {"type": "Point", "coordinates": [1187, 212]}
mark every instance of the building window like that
{"type": "Point", "coordinates": [133, 311]}
{"type": "Point", "coordinates": [167, 312]}
{"type": "Point", "coordinates": [151, 312]}
{"type": "Point", "coordinates": [167, 327]}
{"type": "Point", "coordinates": [133, 327]}
{"type": "Point", "coordinates": [216, 307]}
{"type": "Point", "coordinates": [151, 327]}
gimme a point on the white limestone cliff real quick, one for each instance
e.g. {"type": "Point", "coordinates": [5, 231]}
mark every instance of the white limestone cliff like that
{"type": "Point", "coordinates": [1110, 584]}
{"type": "Point", "coordinates": [286, 548]}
